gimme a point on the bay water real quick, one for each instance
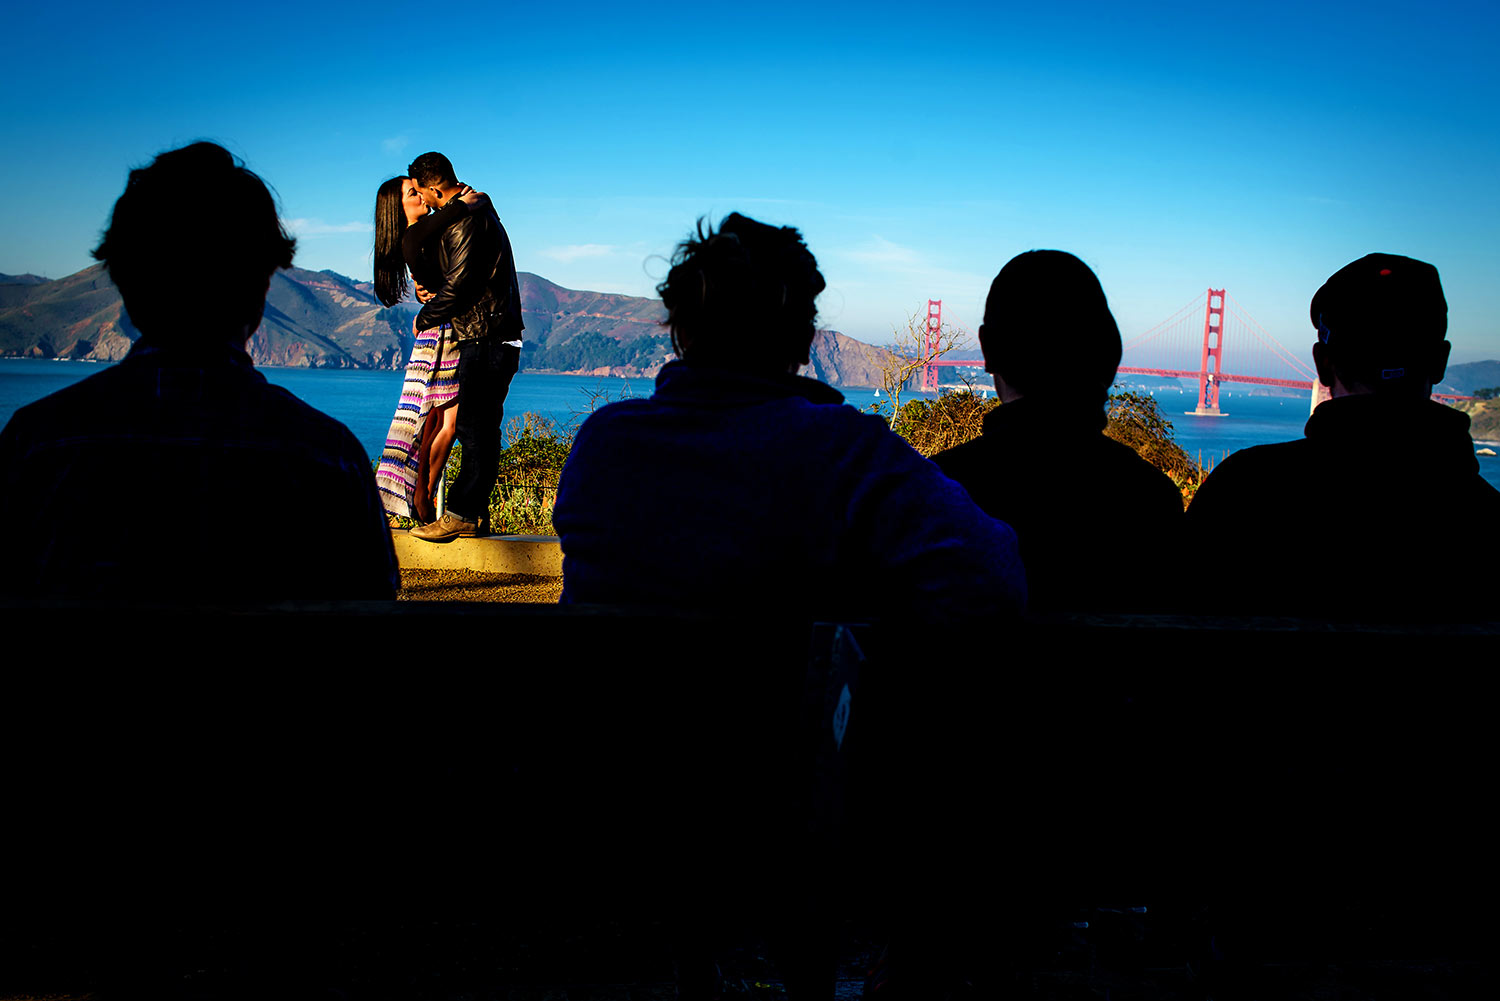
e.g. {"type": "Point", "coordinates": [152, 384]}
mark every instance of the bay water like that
{"type": "Point", "coordinates": [365, 401]}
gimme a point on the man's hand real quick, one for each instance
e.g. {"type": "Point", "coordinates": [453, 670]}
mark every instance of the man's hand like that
{"type": "Point", "coordinates": [422, 294]}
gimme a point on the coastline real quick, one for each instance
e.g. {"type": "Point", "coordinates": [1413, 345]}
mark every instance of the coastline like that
{"type": "Point", "coordinates": [363, 400]}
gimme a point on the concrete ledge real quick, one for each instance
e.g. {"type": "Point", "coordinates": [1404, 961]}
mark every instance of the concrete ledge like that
{"type": "Point", "coordinates": [540, 555]}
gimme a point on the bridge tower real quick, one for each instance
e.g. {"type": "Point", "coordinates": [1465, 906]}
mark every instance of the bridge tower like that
{"type": "Point", "coordinates": [933, 336]}
{"type": "Point", "coordinates": [1213, 348]}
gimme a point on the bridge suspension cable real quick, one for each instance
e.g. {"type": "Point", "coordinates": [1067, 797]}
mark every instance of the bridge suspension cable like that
{"type": "Point", "coordinates": [1190, 308]}
{"type": "Point", "coordinates": [1263, 336]}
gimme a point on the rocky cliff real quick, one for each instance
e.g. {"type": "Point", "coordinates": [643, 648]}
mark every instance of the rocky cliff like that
{"type": "Point", "coordinates": [1484, 418]}
{"type": "Point", "coordinates": [844, 361]}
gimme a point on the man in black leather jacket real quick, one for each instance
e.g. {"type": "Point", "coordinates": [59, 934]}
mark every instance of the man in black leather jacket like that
{"type": "Point", "coordinates": [482, 300]}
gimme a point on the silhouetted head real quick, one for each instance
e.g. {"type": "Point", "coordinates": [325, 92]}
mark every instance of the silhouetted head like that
{"type": "Point", "coordinates": [201, 271]}
{"type": "Point", "coordinates": [1381, 322]}
{"type": "Point", "coordinates": [398, 204]}
{"type": "Point", "coordinates": [1048, 331]}
{"type": "Point", "coordinates": [742, 297]}
{"type": "Point", "coordinates": [434, 176]}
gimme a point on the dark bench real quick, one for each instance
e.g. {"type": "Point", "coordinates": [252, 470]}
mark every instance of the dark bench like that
{"type": "Point", "coordinates": [290, 769]}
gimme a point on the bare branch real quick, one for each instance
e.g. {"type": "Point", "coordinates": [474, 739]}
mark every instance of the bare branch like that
{"type": "Point", "coordinates": [909, 354]}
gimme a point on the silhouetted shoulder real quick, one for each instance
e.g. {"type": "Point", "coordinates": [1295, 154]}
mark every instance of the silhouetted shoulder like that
{"type": "Point", "coordinates": [1081, 504]}
{"type": "Point", "coordinates": [319, 429]}
{"type": "Point", "coordinates": [1153, 485]}
{"type": "Point", "coordinates": [233, 453]}
{"type": "Point", "coordinates": [963, 459]}
{"type": "Point", "coordinates": [1262, 477]}
{"type": "Point", "coordinates": [69, 401]}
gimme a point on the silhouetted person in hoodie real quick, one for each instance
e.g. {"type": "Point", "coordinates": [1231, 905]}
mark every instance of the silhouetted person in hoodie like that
{"type": "Point", "coordinates": [740, 485]}
{"type": "Point", "coordinates": [1384, 488]}
{"type": "Point", "coordinates": [1096, 522]}
{"type": "Point", "coordinates": [742, 488]}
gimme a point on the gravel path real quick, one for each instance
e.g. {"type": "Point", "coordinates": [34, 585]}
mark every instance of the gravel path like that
{"type": "Point", "coordinates": [472, 585]}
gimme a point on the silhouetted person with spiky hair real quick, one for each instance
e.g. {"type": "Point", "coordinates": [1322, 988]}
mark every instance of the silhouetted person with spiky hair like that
{"type": "Point", "coordinates": [165, 476]}
{"type": "Point", "coordinates": [740, 484]}
{"type": "Point", "coordinates": [1096, 521]}
{"type": "Point", "coordinates": [741, 488]}
{"type": "Point", "coordinates": [1383, 491]}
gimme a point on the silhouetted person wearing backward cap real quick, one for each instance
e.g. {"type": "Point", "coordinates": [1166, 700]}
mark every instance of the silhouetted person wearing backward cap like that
{"type": "Point", "coordinates": [1096, 521]}
{"type": "Point", "coordinates": [1384, 489]}
{"type": "Point", "coordinates": [163, 476]}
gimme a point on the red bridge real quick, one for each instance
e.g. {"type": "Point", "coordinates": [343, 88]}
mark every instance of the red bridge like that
{"type": "Point", "coordinates": [1260, 358]}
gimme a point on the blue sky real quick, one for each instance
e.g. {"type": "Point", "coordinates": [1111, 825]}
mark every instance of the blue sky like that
{"type": "Point", "coordinates": [1258, 147]}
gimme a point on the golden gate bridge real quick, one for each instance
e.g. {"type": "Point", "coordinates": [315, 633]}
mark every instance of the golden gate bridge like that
{"type": "Point", "coordinates": [1167, 348]}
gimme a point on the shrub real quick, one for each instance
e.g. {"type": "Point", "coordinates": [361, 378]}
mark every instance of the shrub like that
{"type": "Point", "coordinates": [1133, 419]}
{"type": "Point", "coordinates": [525, 490]}
{"type": "Point", "coordinates": [953, 418]}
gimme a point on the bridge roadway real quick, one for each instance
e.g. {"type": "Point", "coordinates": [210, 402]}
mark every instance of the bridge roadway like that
{"type": "Point", "coordinates": [1176, 373]}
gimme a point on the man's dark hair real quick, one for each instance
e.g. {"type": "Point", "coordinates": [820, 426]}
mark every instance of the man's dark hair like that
{"type": "Point", "coordinates": [192, 242]}
{"type": "Point", "coordinates": [1048, 328]}
{"type": "Point", "coordinates": [743, 296]}
{"type": "Point", "coordinates": [1382, 320]}
{"type": "Point", "coordinates": [432, 170]}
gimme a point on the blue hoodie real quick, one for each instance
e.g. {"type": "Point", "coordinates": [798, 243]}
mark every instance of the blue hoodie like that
{"type": "Point", "coordinates": [726, 490]}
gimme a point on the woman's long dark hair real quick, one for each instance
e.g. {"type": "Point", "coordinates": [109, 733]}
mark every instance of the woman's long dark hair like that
{"type": "Point", "coordinates": [390, 226]}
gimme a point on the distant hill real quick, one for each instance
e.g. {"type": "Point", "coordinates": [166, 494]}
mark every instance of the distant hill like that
{"type": "Point", "coordinates": [599, 333]}
{"type": "Point", "coordinates": [322, 319]}
{"type": "Point", "coordinates": [313, 318]}
{"type": "Point", "coordinates": [1470, 376]}
{"type": "Point", "coordinates": [73, 317]}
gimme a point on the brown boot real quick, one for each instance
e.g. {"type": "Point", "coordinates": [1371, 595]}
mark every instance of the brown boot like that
{"type": "Point", "coordinates": [450, 526]}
